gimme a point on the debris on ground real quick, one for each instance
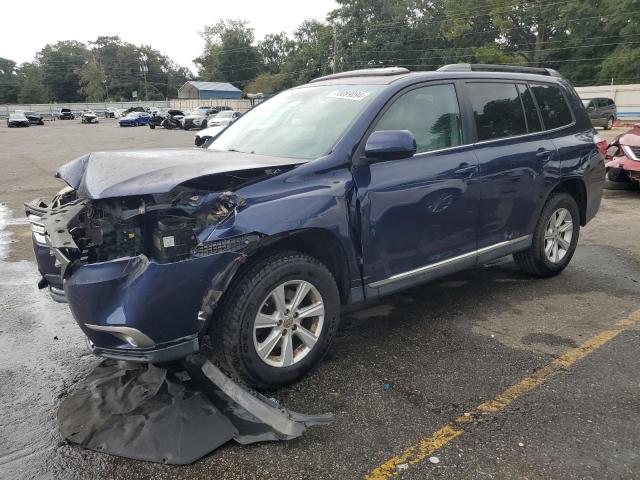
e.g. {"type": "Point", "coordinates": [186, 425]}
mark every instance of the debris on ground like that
{"type": "Point", "coordinates": [173, 414]}
{"type": "Point", "coordinates": [386, 387]}
{"type": "Point", "coordinates": [434, 460]}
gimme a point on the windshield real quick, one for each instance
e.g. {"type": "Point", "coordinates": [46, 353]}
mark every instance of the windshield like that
{"type": "Point", "coordinates": [225, 114]}
{"type": "Point", "coordinates": [299, 123]}
{"type": "Point", "coordinates": [132, 115]}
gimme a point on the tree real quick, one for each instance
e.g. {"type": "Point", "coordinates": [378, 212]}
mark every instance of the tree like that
{"type": "Point", "coordinates": [312, 55]}
{"type": "Point", "coordinates": [275, 48]}
{"type": "Point", "coordinates": [9, 87]}
{"type": "Point", "coordinates": [61, 64]}
{"type": "Point", "coordinates": [229, 54]}
{"type": "Point", "coordinates": [267, 83]}
{"type": "Point", "coordinates": [92, 81]}
{"type": "Point", "coordinates": [32, 87]}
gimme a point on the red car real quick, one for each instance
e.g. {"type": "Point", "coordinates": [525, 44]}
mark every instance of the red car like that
{"type": "Point", "coordinates": [623, 157]}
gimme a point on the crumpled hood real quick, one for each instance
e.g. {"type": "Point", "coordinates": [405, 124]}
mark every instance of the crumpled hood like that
{"type": "Point", "coordinates": [139, 172]}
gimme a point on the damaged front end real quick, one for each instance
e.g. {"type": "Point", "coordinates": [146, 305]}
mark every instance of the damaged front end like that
{"type": "Point", "coordinates": [135, 269]}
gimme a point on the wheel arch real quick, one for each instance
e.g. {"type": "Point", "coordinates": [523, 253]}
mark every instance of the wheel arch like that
{"type": "Point", "coordinates": [577, 189]}
{"type": "Point", "coordinates": [316, 242]}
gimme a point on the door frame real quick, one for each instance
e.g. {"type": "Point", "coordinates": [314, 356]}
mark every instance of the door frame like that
{"type": "Point", "coordinates": [358, 156]}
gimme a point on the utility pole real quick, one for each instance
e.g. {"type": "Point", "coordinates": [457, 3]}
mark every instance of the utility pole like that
{"type": "Point", "coordinates": [335, 47]}
{"type": "Point", "coordinates": [144, 68]}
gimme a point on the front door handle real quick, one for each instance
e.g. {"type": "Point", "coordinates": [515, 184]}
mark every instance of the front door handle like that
{"type": "Point", "coordinates": [466, 170]}
{"type": "Point", "coordinates": [543, 153]}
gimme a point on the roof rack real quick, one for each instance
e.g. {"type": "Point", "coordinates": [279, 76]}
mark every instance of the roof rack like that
{"type": "Point", "coordinates": [480, 67]}
{"type": "Point", "coordinates": [367, 72]}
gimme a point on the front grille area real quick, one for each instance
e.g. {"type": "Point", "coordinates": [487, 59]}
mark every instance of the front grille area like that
{"type": "Point", "coordinates": [636, 151]}
{"type": "Point", "coordinates": [37, 228]}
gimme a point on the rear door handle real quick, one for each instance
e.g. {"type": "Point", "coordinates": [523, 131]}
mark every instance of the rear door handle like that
{"type": "Point", "coordinates": [466, 170]}
{"type": "Point", "coordinates": [543, 153]}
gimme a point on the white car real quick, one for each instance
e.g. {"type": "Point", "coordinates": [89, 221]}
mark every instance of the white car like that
{"type": "Point", "coordinates": [203, 135]}
{"type": "Point", "coordinates": [88, 116]}
{"type": "Point", "coordinates": [198, 117]}
{"type": "Point", "coordinates": [224, 118]}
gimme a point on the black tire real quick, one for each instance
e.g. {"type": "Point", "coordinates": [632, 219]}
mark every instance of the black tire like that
{"type": "Point", "coordinates": [618, 175]}
{"type": "Point", "coordinates": [203, 125]}
{"type": "Point", "coordinates": [199, 141]}
{"type": "Point", "coordinates": [152, 126]}
{"type": "Point", "coordinates": [533, 260]}
{"type": "Point", "coordinates": [609, 124]}
{"type": "Point", "coordinates": [231, 329]}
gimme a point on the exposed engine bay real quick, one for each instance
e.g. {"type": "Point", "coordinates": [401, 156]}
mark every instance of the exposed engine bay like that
{"type": "Point", "coordinates": [167, 227]}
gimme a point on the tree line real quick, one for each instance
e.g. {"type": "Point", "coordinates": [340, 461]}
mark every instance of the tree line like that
{"type": "Point", "coordinates": [588, 42]}
{"type": "Point", "coordinates": [104, 69]}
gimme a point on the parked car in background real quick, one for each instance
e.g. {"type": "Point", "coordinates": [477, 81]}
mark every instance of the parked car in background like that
{"type": "Point", "coordinates": [134, 109]}
{"type": "Point", "coordinates": [623, 158]}
{"type": "Point", "coordinates": [157, 118]}
{"type": "Point", "coordinates": [206, 134]}
{"type": "Point", "coordinates": [111, 112]}
{"type": "Point", "coordinates": [602, 112]}
{"type": "Point", "coordinates": [88, 116]}
{"type": "Point", "coordinates": [33, 117]}
{"type": "Point", "coordinates": [355, 186]}
{"type": "Point", "coordinates": [134, 119]}
{"type": "Point", "coordinates": [64, 114]}
{"type": "Point", "coordinates": [17, 120]}
{"type": "Point", "coordinates": [223, 118]}
{"type": "Point", "coordinates": [198, 117]}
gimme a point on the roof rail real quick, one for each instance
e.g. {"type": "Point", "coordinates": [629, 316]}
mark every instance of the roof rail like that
{"type": "Point", "coordinates": [480, 67]}
{"type": "Point", "coordinates": [367, 72]}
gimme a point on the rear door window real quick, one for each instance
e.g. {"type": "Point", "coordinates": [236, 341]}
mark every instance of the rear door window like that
{"type": "Point", "coordinates": [497, 110]}
{"type": "Point", "coordinates": [553, 106]}
{"type": "Point", "coordinates": [430, 113]}
{"type": "Point", "coordinates": [530, 110]}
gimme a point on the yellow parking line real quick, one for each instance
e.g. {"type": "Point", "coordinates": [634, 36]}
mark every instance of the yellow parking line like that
{"type": "Point", "coordinates": [425, 447]}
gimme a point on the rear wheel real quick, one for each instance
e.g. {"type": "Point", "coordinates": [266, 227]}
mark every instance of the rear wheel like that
{"type": "Point", "coordinates": [554, 238]}
{"type": "Point", "coordinates": [609, 124]}
{"type": "Point", "coordinates": [277, 320]}
{"type": "Point", "coordinates": [152, 126]}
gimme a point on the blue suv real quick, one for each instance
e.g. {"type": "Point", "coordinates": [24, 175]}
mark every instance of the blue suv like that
{"type": "Point", "coordinates": [338, 192]}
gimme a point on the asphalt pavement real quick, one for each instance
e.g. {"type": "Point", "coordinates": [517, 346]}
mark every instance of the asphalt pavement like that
{"type": "Point", "coordinates": [400, 377]}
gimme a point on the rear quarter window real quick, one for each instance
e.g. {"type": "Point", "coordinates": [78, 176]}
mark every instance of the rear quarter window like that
{"type": "Point", "coordinates": [553, 106]}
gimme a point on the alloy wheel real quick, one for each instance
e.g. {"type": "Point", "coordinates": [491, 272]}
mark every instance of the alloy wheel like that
{"type": "Point", "coordinates": [557, 235]}
{"type": "Point", "coordinates": [288, 323]}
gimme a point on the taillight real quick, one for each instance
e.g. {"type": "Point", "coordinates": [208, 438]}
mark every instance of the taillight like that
{"type": "Point", "coordinates": [601, 143]}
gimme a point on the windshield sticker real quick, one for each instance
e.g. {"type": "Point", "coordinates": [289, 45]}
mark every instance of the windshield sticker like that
{"type": "Point", "coordinates": [356, 95]}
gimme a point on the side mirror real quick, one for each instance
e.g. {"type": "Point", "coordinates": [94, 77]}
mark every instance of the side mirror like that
{"type": "Point", "coordinates": [591, 108]}
{"type": "Point", "coordinates": [390, 145]}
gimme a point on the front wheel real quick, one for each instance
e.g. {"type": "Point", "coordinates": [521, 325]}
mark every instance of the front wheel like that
{"type": "Point", "coordinates": [152, 126]}
{"type": "Point", "coordinates": [277, 321]}
{"type": "Point", "coordinates": [554, 238]}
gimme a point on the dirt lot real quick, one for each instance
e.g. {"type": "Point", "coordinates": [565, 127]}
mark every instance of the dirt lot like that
{"type": "Point", "coordinates": [543, 368]}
